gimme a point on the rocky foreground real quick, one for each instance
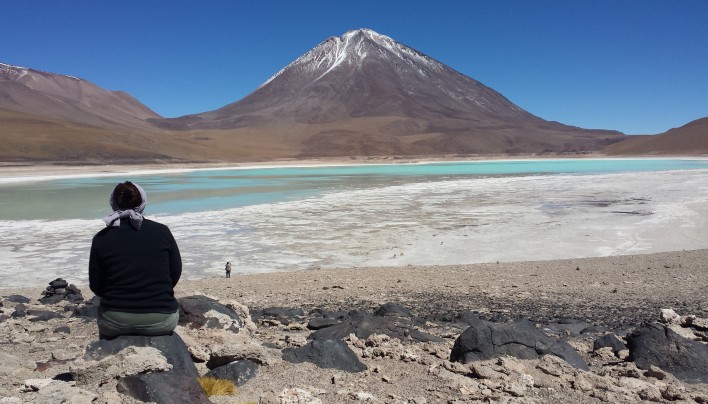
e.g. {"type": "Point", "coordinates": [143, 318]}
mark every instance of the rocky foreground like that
{"type": "Point", "coordinates": [618, 329]}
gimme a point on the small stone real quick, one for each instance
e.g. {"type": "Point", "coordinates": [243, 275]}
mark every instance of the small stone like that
{"type": "Point", "coordinates": [35, 384]}
{"type": "Point", "coordinates": [672, 393]}
{"type": "Point", "coordinates": [364, 396]}
{"type": "Point", "coordinates": [296, 396]}
{"type": "Point", "coordinates": [655, 372]}
{"type": "Point", "coordinates": [668, 316]}
{"type": "Point", "coordinates": [18, 299]}
{"type": "Point", "coordinates": [582, 383]}
{"type": "Point", "coordinates": [59, 283]}
{"type": "Point", "coordinates": [63, 354]}
{"type": "Point", "coordinates": [337, 378]}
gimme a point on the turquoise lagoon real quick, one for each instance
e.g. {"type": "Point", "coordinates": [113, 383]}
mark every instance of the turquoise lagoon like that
{"type": "Point", "coordinates": [216, 189]}
{"type": "Point", "coordinates": [295, 218]}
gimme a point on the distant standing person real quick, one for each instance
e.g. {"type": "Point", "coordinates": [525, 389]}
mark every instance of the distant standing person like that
{"type": "Point", "coordinates": [133, 267]}
{"type": "Point", "coordinates": [228, 269]}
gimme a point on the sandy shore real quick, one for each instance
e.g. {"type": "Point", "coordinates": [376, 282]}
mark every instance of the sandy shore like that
{"type": "Point", "coordinates": [616, 292]}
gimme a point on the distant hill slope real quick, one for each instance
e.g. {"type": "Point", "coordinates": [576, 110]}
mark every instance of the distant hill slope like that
{"type": "Point", "coordinates": [68, 98]}
{"type": "Point", "coordinates": [689, 139]}
{"type": "Point", "coordinates": [365, 94]}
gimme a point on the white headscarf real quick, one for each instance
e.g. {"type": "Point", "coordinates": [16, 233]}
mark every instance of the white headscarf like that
{"type": "Point", "coordinates": [135, 215]}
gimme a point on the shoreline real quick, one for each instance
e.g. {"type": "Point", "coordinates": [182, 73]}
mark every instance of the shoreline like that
{"type": "Point", "coordinates": [536, 289]}
{"type": "Point", "coordinates": [11, 173]}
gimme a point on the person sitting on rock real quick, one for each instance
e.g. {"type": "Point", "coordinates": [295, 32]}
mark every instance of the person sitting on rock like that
{"type": "Point", "coordinates": [134, 266]}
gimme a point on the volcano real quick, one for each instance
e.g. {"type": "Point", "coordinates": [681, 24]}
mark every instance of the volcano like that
{"type": "Point", "coordinates": [365, 94]}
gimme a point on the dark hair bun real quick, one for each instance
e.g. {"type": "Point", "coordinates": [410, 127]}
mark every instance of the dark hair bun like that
{"type": "Point", "coordinates": [127, 196]}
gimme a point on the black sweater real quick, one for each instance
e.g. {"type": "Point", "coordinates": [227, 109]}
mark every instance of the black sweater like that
{"type": "Point", "coordinates": [135, 271]}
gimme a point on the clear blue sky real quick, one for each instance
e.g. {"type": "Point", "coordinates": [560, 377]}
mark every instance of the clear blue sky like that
{"type": "Point", "coordinates": [635, 66]}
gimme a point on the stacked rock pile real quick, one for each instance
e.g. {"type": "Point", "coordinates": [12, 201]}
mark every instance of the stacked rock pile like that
{"type": "Point", "coordinates": [59, 290]}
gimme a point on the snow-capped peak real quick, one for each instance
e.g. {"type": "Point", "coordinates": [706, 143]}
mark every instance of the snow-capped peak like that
{"type": "Point", "coordinates": [12, 72]}
{"type": "Point", "coordinates": [352, 48]}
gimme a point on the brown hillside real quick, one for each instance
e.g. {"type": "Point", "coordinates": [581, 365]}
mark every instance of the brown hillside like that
{"type": "Point", "coordinates": [690, 139]}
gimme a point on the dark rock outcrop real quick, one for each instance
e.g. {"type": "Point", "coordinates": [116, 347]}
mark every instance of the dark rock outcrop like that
{"type": "Point", "coordinates": [321, 322]}
{"type": "Point", "coordinates": [162, 388]}
{"type": "Point", "coordinates": [176, 385]}
{"type": "Point", "coordinates": [390, 319]}
{"type": "Point", "coordinates": [330, 353]}
{"type": "Point", "coordinates": [609, 341]}
{"type": "Point", "coordinates": [655, 344]}
{"type": "Point", "coordinates": [485, 340]}
{"type": "Point", "coordinates": [239, 372]}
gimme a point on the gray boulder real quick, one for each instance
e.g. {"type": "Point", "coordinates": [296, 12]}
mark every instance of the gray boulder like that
{"type": "Point", "coordinates": [179, 384]}
{"type": "Point", "coordinates": [485, 340]}
{"type": "Point", "coordinates": [204, 312]}
{"type": "Point", "coordinates": [656, 344]}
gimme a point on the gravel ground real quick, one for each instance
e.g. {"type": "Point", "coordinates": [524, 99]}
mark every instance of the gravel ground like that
{"type": "Point", "coordinates": [615, 292]}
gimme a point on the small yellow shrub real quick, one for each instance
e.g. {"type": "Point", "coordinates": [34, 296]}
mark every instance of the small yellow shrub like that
{"type": "Point", "coordinates": [216, 387]}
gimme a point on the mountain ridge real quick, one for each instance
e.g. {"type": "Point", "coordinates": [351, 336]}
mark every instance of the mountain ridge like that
{"type": "Point", "coordinates": [358, 94]}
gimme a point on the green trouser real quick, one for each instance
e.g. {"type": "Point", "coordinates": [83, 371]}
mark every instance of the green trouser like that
{"type": "Point", "coordinates": [114, 323]}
